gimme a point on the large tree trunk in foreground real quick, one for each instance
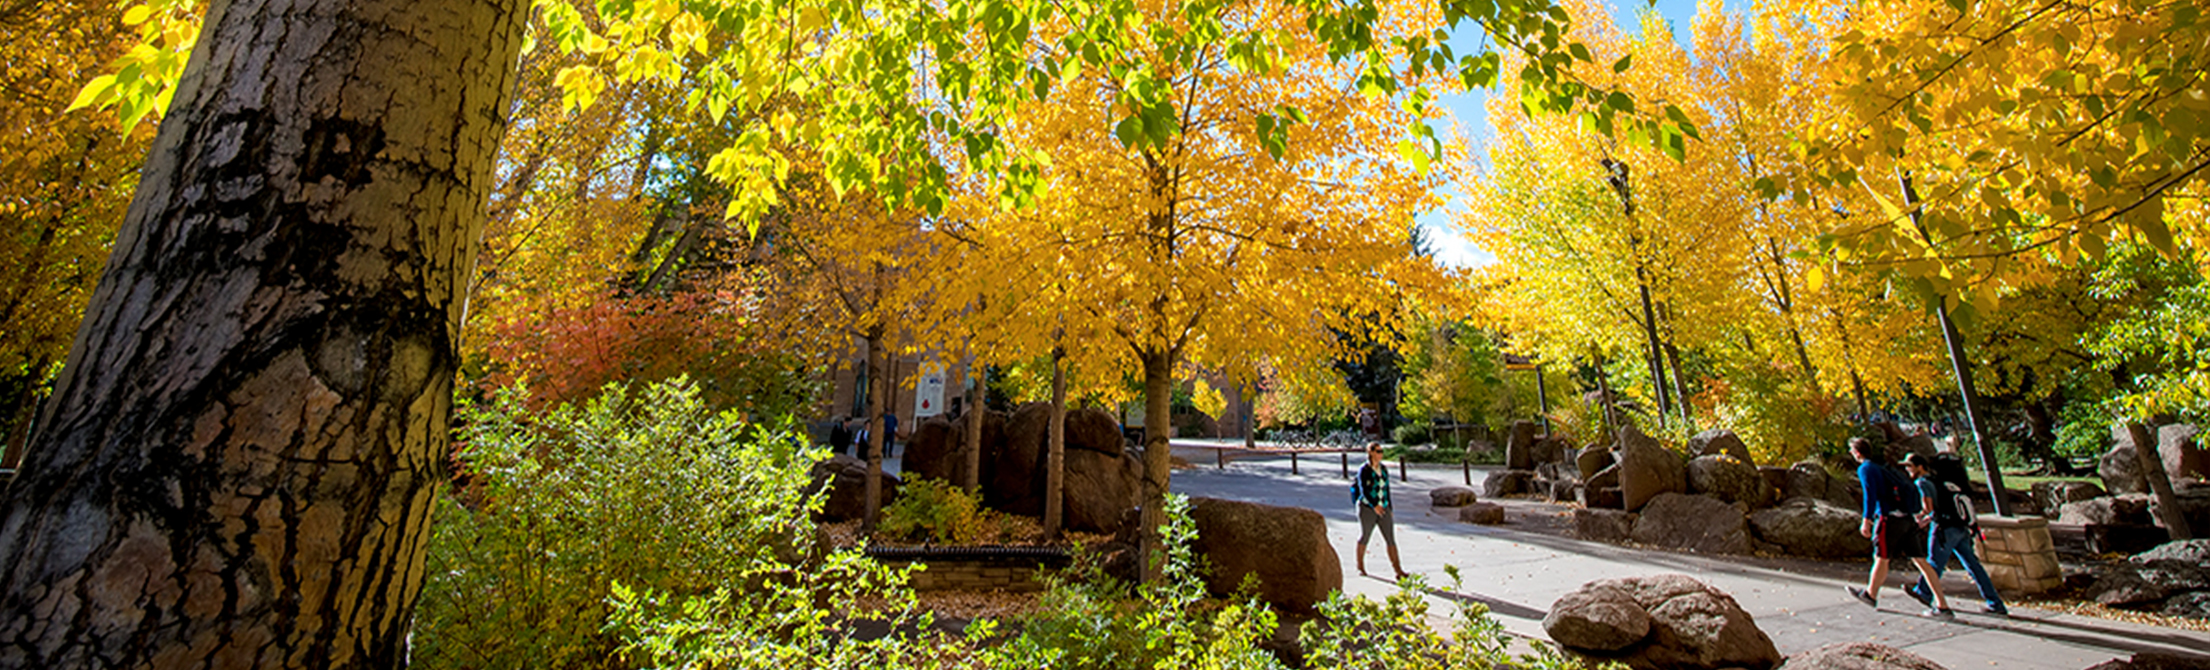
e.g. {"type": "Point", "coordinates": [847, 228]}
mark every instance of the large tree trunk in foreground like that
{"type": "Point", "coordinates": [1158, 367]}
{"type": "Point", "coordinates": [237, 465]}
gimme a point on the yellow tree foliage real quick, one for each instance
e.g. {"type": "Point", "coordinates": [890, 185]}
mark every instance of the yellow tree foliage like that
{"type": "Point", "coordinates": [2023, 124]}
{"type": "Point", "coordinates": [65, 179]}
{"type": "Point", "coordinates": [1223, 247]}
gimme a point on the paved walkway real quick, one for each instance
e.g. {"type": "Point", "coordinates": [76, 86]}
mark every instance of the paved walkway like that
{"type": "Point", "coordinates": [1799, 603]}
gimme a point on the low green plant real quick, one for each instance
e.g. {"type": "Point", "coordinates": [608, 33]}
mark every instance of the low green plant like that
{"type": "Point", "coordinates": [1412, 433]}
{"type": "Point", "coordinates": [933, 510]}
{"type": "Point", "coordinates": [1396, 633]}
{"type": "Point", "coordinates": [645, 487]}
{"type": "Point", "coordinates": [1436, 455]}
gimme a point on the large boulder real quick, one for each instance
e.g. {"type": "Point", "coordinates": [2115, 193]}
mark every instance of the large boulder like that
{"type": "Point", "coordinates": [1603, 525]}
{"type": "Point", "coordinates": [1012, 481]}
{"type": "Point", "coordinates": [2051, 496]}
{"type": "Point", "coordinates": [1098, 488]}
{"type": "Point", "coordinates": [2196, 551]}
{"type": "Point", "coordinates": [1727, 478]}
{"type": "Point", "coordinates": [2129, 510]}
{"type": "Point", "coordinates": [1451, 496]}
{"type": "Point", "coordinates": [2122, 585]}
{"type": "Point", "coordinates": [1719, 441]}
{"type": "Point", "coordinates": [1599, 616]}
{"type": "Point", "coordinates": [933, 452]}
{"type": "Point", "coordinates": [1554, 450]}
{"type": "Point", "coordinates": [2184, 457]}
{"type": "Point", "coordinates": [1807, 479]}
{"type": "Point", "coordinates": [2120, 469]}
{"type": "Point", "coordinates": [1859, 656]}
{"type": "Point", "coordinates": [1601, 497]}
{"type": "Point", "coordinates": [2195, 605]}
{"type": "Point", "coordinates": [1486, 514]}
{"type": "Point", "coordinates": [1286, 548]}
{"type": "Point", "coordinates": [846, 480]}
{"type": "Point", "coordinates": [1502, 483]}
{"type": "Point", "coordinates": [1519, 448]}
{"type": "Point", "coordinates": [1593, 460]}
{"type": "Point", "coordinates": [1914, 444]}
{"type": "Point", "coordinates": [1690, 625]}
{"type": "Point", "coordinates": [1094, 430]}
{"type": "Point", "coordinates": [1812, 527]}
{"type": "Point", "coordinates": [1696, 523]}
{"type": "Point", "coordinates": [2155, 660]}
{"type": "Point", "coordinates": [1647, 469]}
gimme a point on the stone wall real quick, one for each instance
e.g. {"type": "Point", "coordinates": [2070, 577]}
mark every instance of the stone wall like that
{"type": "Point", "coordinates": [992, 574]}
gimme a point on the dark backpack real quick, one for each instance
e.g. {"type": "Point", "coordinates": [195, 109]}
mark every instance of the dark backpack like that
{"type": "Point", "coordinates": [1900, 491]}
{"type": "Point", "coordinates": [1951, 507]}
{"type": "Point", "coordinates": [1952, 504]}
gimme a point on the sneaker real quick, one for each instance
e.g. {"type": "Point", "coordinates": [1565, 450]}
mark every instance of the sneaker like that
{"type": "Point", "coordinates": [1943, 613]}
{"type": "Point", "coordinates": [1924, 598]}
{"type": "Point", "coordinates": [1998, 609]}
{"type": "Point", "coordinates": [1862, 596]}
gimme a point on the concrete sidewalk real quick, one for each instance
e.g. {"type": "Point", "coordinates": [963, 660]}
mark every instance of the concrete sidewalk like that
{"type": "Point", "coordinates": [1800, 603]}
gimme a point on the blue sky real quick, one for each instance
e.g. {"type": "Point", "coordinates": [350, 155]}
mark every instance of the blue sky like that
{"type": "Point", "coordinates": [1467, 110]}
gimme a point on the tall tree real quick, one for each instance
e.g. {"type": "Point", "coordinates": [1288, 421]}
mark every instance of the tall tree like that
{"type": "Point", "coordinates": [238, 461]}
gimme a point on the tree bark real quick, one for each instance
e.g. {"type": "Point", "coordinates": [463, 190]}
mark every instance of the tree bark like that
{"type": "Point", "coordinates": [2160, 483]}
{"type": "Point", "coordinates": [972, 474]}
{"type": "Point", "coordinates": [877, 389]}
{"type": "Point", "coordinates": [237, 466]}
{"type": "Point", "coordinates": [1158, 367]}
{"type": "Point", "coordinates": [1056, 449]}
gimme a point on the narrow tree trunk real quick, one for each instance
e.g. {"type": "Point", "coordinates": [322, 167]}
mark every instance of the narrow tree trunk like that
{"type": "Point", "coordinates": [877, 389]}
{"type": "Point", "coordinates": [1157, 393]}
{"type": "Point", "coordinates": [1055, 451]}
{"type": "Point", "coordinates": [971, 475]}
{"type": "Point", "coordinates": [1249, 396]}
{"type": "Point", "coordinates": [1603, 394]}
{"type": "Point", "coordinates": [2160, 482]}
{"type": "Point", "coordinates": [237, 466]}
{"type": "Point", "coordinates": [1680, 386]}
{"type": "Point", "coordinates": [1655, 354]}
{"type": "Point", "coordinates": [1962, 367]}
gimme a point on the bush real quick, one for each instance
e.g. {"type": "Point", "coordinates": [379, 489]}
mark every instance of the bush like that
{"type": "Point", "coordinates": [650, 489]}
{"type": "Point", "coordinates": [933, 510]}
{"type": "Point", "coordinates": [1412, 433]}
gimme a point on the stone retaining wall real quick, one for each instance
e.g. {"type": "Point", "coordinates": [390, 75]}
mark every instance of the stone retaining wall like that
{"type": "Point", "coordinates": [995, 574]}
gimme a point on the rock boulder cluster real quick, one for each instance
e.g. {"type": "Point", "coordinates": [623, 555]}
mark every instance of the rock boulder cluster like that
{"type": "Point", "coordinates": [2173, 579]}
{"type": "Point", "coordinates": [1100, 473]}
{"type": "Point", "coordinates": [1674, 622]}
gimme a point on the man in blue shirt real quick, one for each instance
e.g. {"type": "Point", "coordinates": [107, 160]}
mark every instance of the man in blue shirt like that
{"type": "Point", "coordinates": [1890, 513]}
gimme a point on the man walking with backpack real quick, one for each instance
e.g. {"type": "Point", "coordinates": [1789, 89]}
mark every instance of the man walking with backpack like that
{"type": "Point", "coordinates": [1952, 526]}
{"type": "Point", "coordinates": [1891, 510]}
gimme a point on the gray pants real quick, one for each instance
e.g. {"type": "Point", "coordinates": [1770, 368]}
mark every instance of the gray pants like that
{"type": "Point", "coordinates": [1368, 519]}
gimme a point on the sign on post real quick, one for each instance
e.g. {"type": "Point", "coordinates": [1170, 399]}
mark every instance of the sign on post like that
{"type": "Point", "coordinates": [928, 392]}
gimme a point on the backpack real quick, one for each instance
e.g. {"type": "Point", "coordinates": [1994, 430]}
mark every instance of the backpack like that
{"type": "Point", "coordinates": [1900, 490]}
{"type": "Point", "coordinates": [1951, 507]}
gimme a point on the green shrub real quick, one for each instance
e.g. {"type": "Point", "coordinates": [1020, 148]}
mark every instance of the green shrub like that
{"type": "Point", "coordinates": [933, 510]}
{"type": "Point", "coordinates": [1412, 433]}
{"type": "Point", "coordinates": [647, 488]}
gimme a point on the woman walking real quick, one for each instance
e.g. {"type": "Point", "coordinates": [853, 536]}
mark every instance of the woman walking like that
{"type": "Point", "coordinates": [1371, 491]}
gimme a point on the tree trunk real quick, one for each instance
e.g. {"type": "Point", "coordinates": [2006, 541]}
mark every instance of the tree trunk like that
{"type": "Point", "coordinates": [1056, 449]}
{"type": "Point", "coordinates": [1962, 367]}
{"type": "Point", "coordinates": [972, 474]}
{"type": "Point", "coordinates": [1157, 394]}
{"type": "Point", "coordinates": [877, 389]}
{"type": "Point", "coordinates": [237, 466]}
{"type": "Point", "coordinates": [2160, 483]}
